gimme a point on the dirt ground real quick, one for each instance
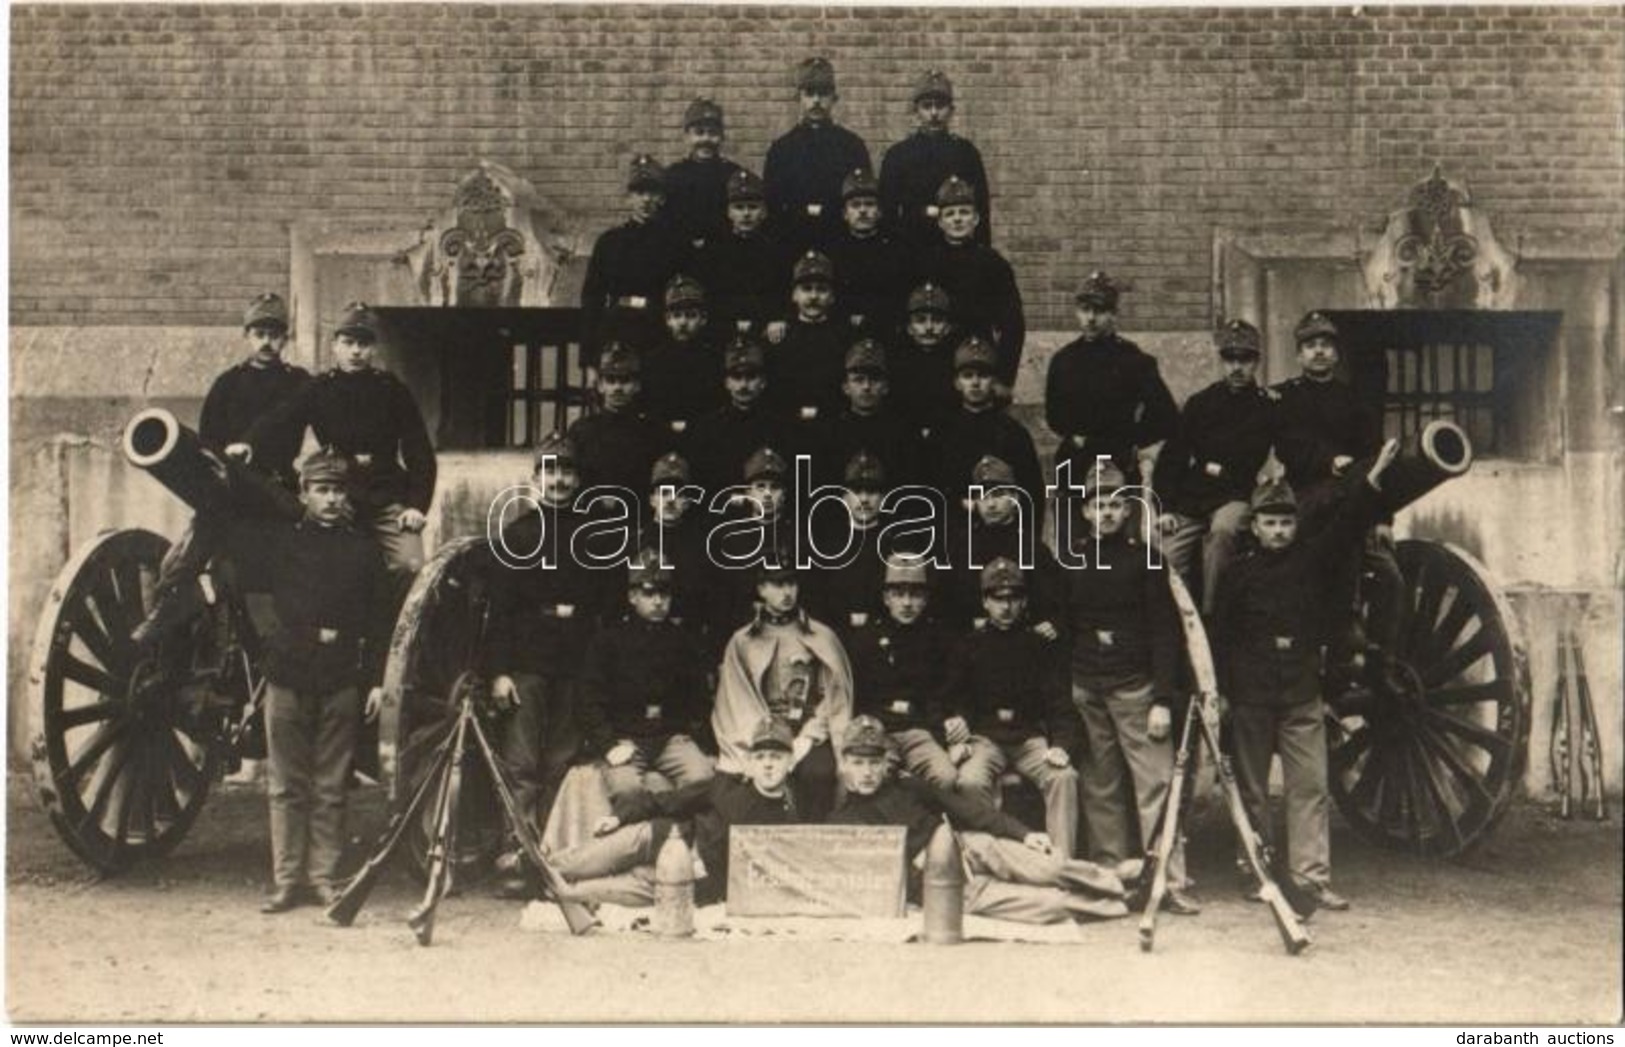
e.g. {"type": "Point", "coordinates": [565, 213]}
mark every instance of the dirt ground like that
{"type": "Point", "coordinates": [1527, 929]}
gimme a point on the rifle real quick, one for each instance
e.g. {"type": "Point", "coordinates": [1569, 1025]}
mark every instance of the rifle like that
{"type": "Point", "coordinates": [1205, 710]}
{"type": "Point", "coordinates": [577, 915]}
{"type": "Point", "coordinates": [1168, 837]}
{"type": "Point", "coordinates": [349, 902]}
{"type": "Point", "coordinates": [1591, 778]}
{"type": "Point", "coordinates": [443, 845]}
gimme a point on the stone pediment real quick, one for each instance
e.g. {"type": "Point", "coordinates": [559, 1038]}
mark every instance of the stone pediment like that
{"type": "Point", "coordinates": [1439, 252]}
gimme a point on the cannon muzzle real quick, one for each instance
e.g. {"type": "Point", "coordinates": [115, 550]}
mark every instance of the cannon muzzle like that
{"type": "Point", "coordinates": [156, 441]}
{"type": "Point", "coordinates": [1439, 453]}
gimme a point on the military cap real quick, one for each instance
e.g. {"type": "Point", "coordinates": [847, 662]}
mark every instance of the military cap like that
{"type": "Point", "coordinates": [1002, 575]}
{"type": "Point", "coordinates": [645, 173]}
{"type": "Point", "coordinates": [867, 356]}
{"type": "Point", "coordinates": [815, 74]}
{"type": "Point", "coordinates": [1099, 291]}
{"type": "Point", "coordinates": [557, 446]}
{"type": "Point", "coordinates": [646, 572]}
{"type": "Point", "coordinates": [702, 112]}
{"type": "Point", "coordinates": [928, 298]}
{"type": "Point", "coordinates": [813, 267]}
{"type": "Point", "coordinates": [906, 572]}
{"type": "Point", "coordinates": [1274, 496]}
{"type": "Point", "coordinates": [325, 464]}
{"type": "Point", "coordinates": [268, 310]}
{"type": "Point", "coordinates": [1315, 324]}
{"type": "Point", "coordinates": [744, 356]}
{"type": "Point", "coordinates": [359, 322]}
{"type": "Point", "coordinates": [860, 184]}
{"type": "Point", "coordinates": [669, 468]}
{"type": "Point", "coordinates": [765, 464]}
{"type": "Point", "coordinates": [1238, 340]}
{"type": "Point", "coordinates": [1104, 476]}
{"type": "Point", "coordinates": [684, 290]}
{"type": "Point", "coordinates": [865, 472]}
{"type": "Point", "coordinates": [865, 736]}
{"type": "Point", "coordinates": [992, 470]}
{"type": "Point", "coordinates": [619, 361]}
{"type": "Point", "coordinates": [933, 83]}
{"type": "Point", "coordinates": [779, 566]}
{"type": "Point", "coordinates": [745, 186]}
{"type": "Point", "coordinates": [955, 191]}
{"type": "Point", "coordinates": [772, 733]}
{"type": "Point", "coordinates": [974, 353]}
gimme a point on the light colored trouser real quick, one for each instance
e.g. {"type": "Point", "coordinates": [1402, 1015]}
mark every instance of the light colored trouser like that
{"type": "Point", "coordinates": [1298, 733]}
{"type": "Point", "coordinates": [979, 776]}
{"type": "Point", "coordinates": [311, 740]}
{"type": "Point", "coordinates": [617, 869]}
{"type": "Point", "coordinates": [922, 756]}
{"type": "Point", "coordinates": [1011, 881]}
{"type": "Point", "coordinates": [678, 762]}
{"type": "Point", "coordinates": [1119, 748]}
{"type": "Point", "coordinates": [1219, 537]}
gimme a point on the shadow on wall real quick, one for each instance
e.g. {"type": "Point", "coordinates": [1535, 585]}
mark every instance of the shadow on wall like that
{"type": "Point", "coordinates": [1452, 526]}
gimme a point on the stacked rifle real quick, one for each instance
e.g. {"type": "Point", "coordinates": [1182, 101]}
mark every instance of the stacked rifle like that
{"type": "Point", "coordinates": [1576, 744]}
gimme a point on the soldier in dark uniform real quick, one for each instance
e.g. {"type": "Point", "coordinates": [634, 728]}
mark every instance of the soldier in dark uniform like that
{"type": "Point", "coordinates": [723, 439]}
{"type": "Point", "coordinates": [1007, 701]}
{"type": "Point", "coordinates": [758, 522]}
{"type": "Point", "coordinates": [1324, 429]}
{"type": "Point", "coordinates": [542, 615]}
{"type": "Point", "coordinates": [370, 416]}
{"type": "Point", "coordinates": [1126, 645]}
{"type": "Point", "coordinates": [1206, 471]}
{"type": "Point", "coordinates": [1013, 873]}
{"type": "Point", "coordinates": [844, 591]}
{"type": "Point", "coordinates": [697, 185]}
{"type": "Point", "coordinates": [981, 285]}
{"type": "Point", "coordinates": [997, 527]}
{"type": "Point", "coordinates": [899, 666]}
{"type": "Point", "coordinates": [746, 271]}
{"type": "Point", "coordinates": [676, 529]}
{"type": "Point", "coordinates": [806, 366]}
{"type": "Point", "coordinates": [1103, 394]}
{"type": "Point", "coordinates": [915, 168]}
{"type": "Point", "coordinates": [1267, 644]}
{"type": "Point", "coordinates": [682, 373]}
{"type": "Point", "coordinates": [642, 692]}
{"type": "Point", "coordinates": [266, 496]}
{"type": "Point", "coordinates": [616, 446]}
{"type": "Point", "coordinates": [630, 267]}
{"type": "Point", "coordinates": [981, 427]}
{"type": "Point", "coordinates": [922, 363]}
{"type": "Point", "coordinates": [805, 165]}
{"type": "Point", "coordinates": [871, 268]}
{"type": "Point", "coordinates": [869, 423]}
{"type": "Point", "coordinates": [328, 592]}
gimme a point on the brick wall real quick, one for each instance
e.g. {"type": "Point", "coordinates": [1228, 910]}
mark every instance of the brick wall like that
{"type": "Point", "coordinates": [159, 153]}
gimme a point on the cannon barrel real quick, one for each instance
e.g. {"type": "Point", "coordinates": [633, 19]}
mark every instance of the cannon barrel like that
{"type": "Point", "coordinates": [155, 440]}
{"type": "Point", "coordinates": [1439, 453]}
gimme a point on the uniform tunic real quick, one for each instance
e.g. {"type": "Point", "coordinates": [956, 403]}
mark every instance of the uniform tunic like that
{"type": "Point", "coordinates": [803, 173]}
{"type": "Point", "coordinates": [964, 437]}
{"type": "Point", "coordinates": [898, 672]}
{"type": "Point", "coordinates": [972, 547]}
{"type": "Point", "coordinates": [922, 382]}
{"type": "Point", "coordinates": [884, 434]}
{"type": "Point", "coordinates": [871, 280]}
{"type": "Point", "coordinates": [720, 442]}
{"type": "Point", "coordinates": [682, 381]}
{"type": "Point", "coordinates": [618, 449]}
{"type": "Point", "coordinates": [1110, 393]}
{"type": "Point", "coordinates": [806, 368]}
{"type": "Point", "coordinates": [642, 681]}
{"type": "Point", "coordinates": [625, 286]}
{"type": "Point", "coordinates": [1123, 628]}
{"type": "Point", "coordinates": [982, 295]}
{"type": "Point", "coordinates": [834, 594]}
{"type": "Point", "coordinates": [920, 807]}
{"type": "Point", "coordinates": [1010, 685]}
{"type": "Point", "coordinates": [914, 169]}
{"type": "Point", "coordinates": [1222, 440]}
{"type": "Point", "coordinates": [697, 197]}
{"type": "Point", "coordinates": [682, 547]}
{"type": "Point", "coordinates": [369, 415]}
{"type": "Point", "coordinates": [1318, 421]}
{"type": "Point", "coordinates": [327, 577]}
{"type": "Point", "coordinates": [745, 279]}
{"type": "Point", "coordinates": [542, 617]}
{"type": "Point", "coordinates": [238, 398]}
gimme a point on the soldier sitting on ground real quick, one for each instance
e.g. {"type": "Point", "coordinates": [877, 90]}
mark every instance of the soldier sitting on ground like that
{"type": "Point", "coordinates": [1015, 873]}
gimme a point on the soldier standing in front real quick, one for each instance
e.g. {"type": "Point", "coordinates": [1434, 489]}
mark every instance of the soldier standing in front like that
{"type": "Point", "coordinates": [914, 169]}
{"type": "Point", "coordinates": [806, 165]}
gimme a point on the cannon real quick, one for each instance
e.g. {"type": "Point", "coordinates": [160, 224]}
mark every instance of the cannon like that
{"type": "Point", "coordinates": [1429, 763]}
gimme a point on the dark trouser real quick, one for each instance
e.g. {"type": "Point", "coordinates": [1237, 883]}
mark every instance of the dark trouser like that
{"type": "Point", "coordinates": [1298, 734]}
{"type": "Point", "coordinates": [539, 740]}
{"type": "Point", "coordinates": [311, 737]}
{"type": "Point", "coordinates": [1383, 593]}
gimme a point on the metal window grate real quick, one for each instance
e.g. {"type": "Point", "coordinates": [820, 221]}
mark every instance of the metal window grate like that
{"type": "Point", "coordinates": [1450, 380]}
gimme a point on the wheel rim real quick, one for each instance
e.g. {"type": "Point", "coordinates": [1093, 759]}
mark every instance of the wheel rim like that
{"type": "Point", "coordinates": [118, 765]}
{"type": "Point", "coordinates": [431, 658]}
{"type": "Point", "coordinates": [1432, 767]}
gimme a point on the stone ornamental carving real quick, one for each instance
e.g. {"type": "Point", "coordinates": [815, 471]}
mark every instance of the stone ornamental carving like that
{"type": "Point", "coordinates": [1439, 252]}
{"type": "Point", "coordinates": [497, 247]}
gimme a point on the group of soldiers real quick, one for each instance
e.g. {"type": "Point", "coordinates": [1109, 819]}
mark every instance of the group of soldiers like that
{"type": "Point", "coordinates": [784, 367]}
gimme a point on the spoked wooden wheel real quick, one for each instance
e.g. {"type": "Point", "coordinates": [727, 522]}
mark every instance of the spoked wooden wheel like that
{"type": "Point", "coordinates": [121, 762]}
{"type": "Point", "coordinates": [1431, 768]}
{"type": "Point", "coordinates": [430, 671]}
